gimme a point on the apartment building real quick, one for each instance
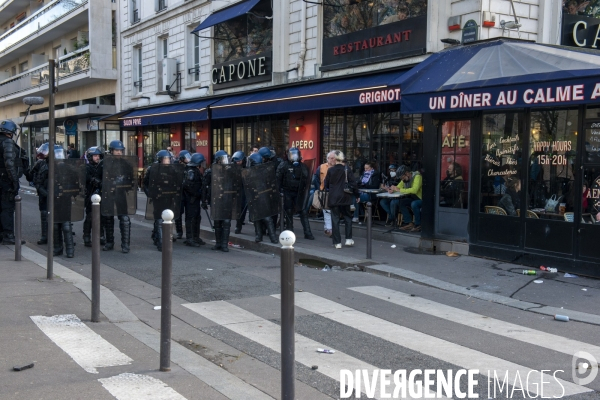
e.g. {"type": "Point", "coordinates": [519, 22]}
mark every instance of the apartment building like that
{"type": "Point", "coordinates": [82, 36]}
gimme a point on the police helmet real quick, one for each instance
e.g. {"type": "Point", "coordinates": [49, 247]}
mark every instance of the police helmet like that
{"type": "Point", "coordinates": [184, 156]}
{"type": "Point", "coordinates": [116, 145]}
{"type": "Point", "coordinates": [221, 157]}
{"type": "Point", "coordinates": [59, 152]}
{"type": "Point", "coordinates": [265, 153]}
{"type": "Point", "coordinates": [197, 160]}
{"type": "Point", "coordinates": [163, 157]}
{"type": "Point", "coordinates": [94, 151]}
{"type": "Point", "coordinates": [238, 156]}
{"type": "Point", "coordinates": [7, 126]}
{"type": "Point", "coordinates": [42, 151]}
{"type": "Point", "coordinates": [294, 155]}
{"type": "Point", "coordinates": [254, 159]}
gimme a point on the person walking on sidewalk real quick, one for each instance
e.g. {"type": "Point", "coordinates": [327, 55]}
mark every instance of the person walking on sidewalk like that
{"type": "Point", "coordinates": [339, 201]}
{"type": "Point", "coordinates": [321, 173]}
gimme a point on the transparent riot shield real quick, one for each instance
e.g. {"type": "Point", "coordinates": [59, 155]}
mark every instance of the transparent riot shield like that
{"type": "Point", "coordinates": [305, 189]}
{"type": "Point", "coordinates": [119, 185]}
{"type": "Point", "coordinates": [262, 196]}
{"type": "Point", "coordinates": [69, 190]}
{"type": "Point", "coordinates": [164, 189]}
{"type": "Point", "coordinates": [226, 191]}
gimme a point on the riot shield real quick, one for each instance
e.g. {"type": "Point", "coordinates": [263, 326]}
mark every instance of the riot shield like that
{"type": "Point", "coordinates": [164, 189]}
{"type": "Point", "coordinates": [119, 185]}
{"type": "Point", "coordinates": [69, 190]}
{"type": "Point", "coordinates": [226, 191]}
{"type": "Point", "coordinates": [260, 186]}
{"type": "Point", "coordinates": [303, 197]}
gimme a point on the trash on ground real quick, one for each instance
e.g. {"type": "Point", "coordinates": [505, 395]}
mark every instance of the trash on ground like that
{"type": "Point", "coordinates": [567, 275]}
{"type": "Point", "coordinates": [157, 307]}
{"type": "Point", "coordinates": [235, 246]}
{"type": "Point", "coordinates": [529, 272]}
{"type": "Point", "coordinates": [23, 367]}
{"type": "Point", "coordinates": [326, 268]}
{"type": "Point", "coordinates": [326, 351]}
{"type": "Point", "coordinates": [393, 246]}
{"type": "Point", "coordinates": [300, 265]}
{"type": "Point", "coordinates": [353, 268]}
{"type": "Point", "coordinates": [584, 289]}
{"type": "Point", "coordinates": [452, 254]}
{"type": "Point", "coordinates": [336, 268]}
{"type": "Point", "coordinates": [300, 290]}
{"type": "Point", "coordinates": [563, 318]}
{"type": "Point", "coordinates": [315, 367]}
{"type": "Point", "coordinates": [209, 269]}
{"type": "Point", "coordinates": [538, 281]}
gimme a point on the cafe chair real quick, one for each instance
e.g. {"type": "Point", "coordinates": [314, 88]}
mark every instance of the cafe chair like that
{"type": "Point", "coordinates": [530, 214]}
{"type": "Point", "coordinates": [495, 210]}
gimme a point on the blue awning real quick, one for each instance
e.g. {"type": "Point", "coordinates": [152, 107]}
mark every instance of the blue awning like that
{"type": "Point", "coordinates": [339, 93]}
{"type": "Point", "coordinates": [226, 14]}
{"type": "Point", "coordinates": [501, 73]}
{"type": "Point", "coordinates": [168, 114]}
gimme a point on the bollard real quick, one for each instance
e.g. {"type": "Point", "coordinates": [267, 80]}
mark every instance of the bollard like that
{"type": "Point", "coordinates": [288, 375]}
{"type": "Point", "coordinates": [18, 228]}
{"type": "Point", "coordinates": [369, 226]}
{"type": "Point", "coordinates": [95, 258]}
{"type": "Point", "coordinates": [165, 297]}
{"type": "Point", "coordinates": [282, 214]}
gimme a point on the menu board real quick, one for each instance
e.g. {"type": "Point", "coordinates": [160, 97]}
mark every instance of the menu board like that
{"type": "Point", "coordinates": [592, 142]}
{"type": "Point", "coordinates": [501, 156]}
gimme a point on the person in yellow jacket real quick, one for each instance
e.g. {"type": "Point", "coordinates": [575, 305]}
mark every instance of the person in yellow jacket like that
{"type": "Point", "coordinates": [411, 186]}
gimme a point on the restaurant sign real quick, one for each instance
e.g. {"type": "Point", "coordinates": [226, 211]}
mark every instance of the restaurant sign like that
{"type": "Point", "coordinates": [242, 71]}
{"type": "Point", "coordinates": [580, 31]}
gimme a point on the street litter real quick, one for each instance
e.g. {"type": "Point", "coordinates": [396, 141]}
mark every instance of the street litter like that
{"type": "Point", "coordinates": [235, 246]}
{"type": "Point", "coordinates": [315, 367]}
{"type": "Point", "coordinates": [452, 254]}
{"type": "Point", "coordinates": [585, 290]}
{"type": "Point", "coordinates": [563, 318]}
{"type": "Point", "coordinates": [326, 268]}
{"type": "Point", "coordinates": [23, 367]}
{"type": "Point", "coordinates": [326, 351]}
{"type": "Point", "coordinates": [157, 307]}
{"type": "Point", "coordinates": [538, 281]}
{"type": "Point", "coordinates": [529, 272]}
{"type": "Point", "coordinates": [209, 269]}
{"type": "Point", "coordinates": [393, 246]}
{"type": "Point", "coordinates": [548, 269]}
{"type": "Point", "coordinates": [567, 275]}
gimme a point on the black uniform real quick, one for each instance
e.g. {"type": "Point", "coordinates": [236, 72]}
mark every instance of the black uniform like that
{"type": "Point", "coordinates": [157, 228]}
{"type": "Point", "coordinates": [291, 180]}
{"type": "Point", "coordinates": [63, 230]}
{"type": "Point", "coordinates": [120, 200]}
{"type": "Point", "coordinates": [222, 227]}
{"type": "Point", "coordinates": [93, 185]}
{"type": "Point", "coordinates": [39, 176]}
{"type": "Point", "coordinates": [192, 195]}
{"type": "Point", "coordinates": [11, 169]}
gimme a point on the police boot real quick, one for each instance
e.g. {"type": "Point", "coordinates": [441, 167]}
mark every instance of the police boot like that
{"type": "Point", "coordinates": [271, 230]}
{"type": "Point", "coordinates": [196, 231]}
{"type": "Point", "coordinates": [125, 227]}
{"type": "Point", "coordinates": [178, 228]}
{"type": "Point", "coordinates": [225, 237]}
{"type": "Point", "coordinates": [58, 240]}
{"type": "Point", "coordinates": [67, 230]}
{"type": "Point", "coordinates": [87, 231]}
{"type": "Point", "coordinates": [44, 224]}
{"type": "Point", "coordinates": [189, 230]}
{"type": "Point", "coordinates": [159, 237]}
{"type": "Point", "coordinates": [218, 237]}
{"type": "Point", "coordinates": [306, 225]}
{"type": "Point", "coordinates": [258, 231]}
{"type": "Point", "coordinates": [238, 226]}
{"type": "Point", "coordinates": [109, 229]}
{"type": "Point", "coordinates": [102, 234]}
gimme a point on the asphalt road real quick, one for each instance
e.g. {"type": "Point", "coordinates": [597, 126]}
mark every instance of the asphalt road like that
{"type": "Point", "coordinates": [361, 324]}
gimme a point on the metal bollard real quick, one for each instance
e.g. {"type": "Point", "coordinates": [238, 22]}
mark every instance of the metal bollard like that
{"type": "Point", "coordinates": [165, 297]}
{"type": "Point", "coordinates": [282, 214]}
{"type": "Point", "coordinates": [288, 372]}
{"type": "Point", "coordinates": [369, 226]}
{"type": "Point", "coordinates": [95, 258]}
{"type": "Point", "coordinates": [18, 220]}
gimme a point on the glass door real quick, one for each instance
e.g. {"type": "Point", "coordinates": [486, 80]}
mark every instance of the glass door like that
{"type": "Point", "coordinates": [589, 226]}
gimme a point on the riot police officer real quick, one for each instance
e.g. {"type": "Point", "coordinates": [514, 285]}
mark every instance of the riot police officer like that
{"type": "Point", "coordinates": [63, 231]}
{"type": "Point", "coordinates": [184, 158]}
{"type": "Point", "coordinates": [93, 185]}
{"type": "Point", "coordinates": [223, 226]}
{"type": "Point", "coordinates": [11, 169]}
{"type": "Point", "coordinates": [268, 155]}
{"type": "Point", "coordinates": [116, 148]}
{"type": "Point", "coordinates": [192, 192]}
{"type": "Point", "coordinates": [240, 158]}
{"type": "Point", "coordinates": [292, 176]}
{"type": "Point", "coordinates": [162, 157]}
{"type": "Point", "coordinates": [266, 223]}
{"type": "Point", "coordinates": [39, 173]}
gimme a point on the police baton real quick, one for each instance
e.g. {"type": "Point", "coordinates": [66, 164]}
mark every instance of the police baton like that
{"type": "Point", "coordinates": [209, 220]}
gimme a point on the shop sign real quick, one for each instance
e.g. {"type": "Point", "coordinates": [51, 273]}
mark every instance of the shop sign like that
{"type": "Point", "coordinates": [303, 144]}
{"type": "Point", "coordinates": [379, 96]}
{"type": "Point", "coordinates": [175, 143]}
{"type": "Point", "coordinates": [580, 31]}
{"type": "Point", "coordinates": [242, 71]}
{"type": "Point", "coordinates": [470, 32]}
{"type": "Point", "coordinates": [132, 122]}
{"type": "Point", "coordinates": [594, 193]}
{"type": "Point", "coordinates": [70, 127]}
{"type": "Point", "coordinates": [398, 39]}
{"type": "Point", "coordinates": [201, 143]}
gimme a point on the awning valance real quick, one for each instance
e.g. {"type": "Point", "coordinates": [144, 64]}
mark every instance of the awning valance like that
{"type": "Point", "coordinates": [168, 114]}
{"type": "Point", "coordinates": [226, 14]}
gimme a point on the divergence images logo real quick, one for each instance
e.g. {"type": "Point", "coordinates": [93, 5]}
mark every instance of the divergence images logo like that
{"type": "Point", "coordinates": [584, 368]}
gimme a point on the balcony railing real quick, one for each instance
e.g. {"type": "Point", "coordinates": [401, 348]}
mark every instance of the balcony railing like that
{"type": "Point", "coordinates": [38, 21]}
{"type": "Point", "coordinates": [67, 66]}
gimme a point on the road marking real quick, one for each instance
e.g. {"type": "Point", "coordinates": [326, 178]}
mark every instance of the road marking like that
{"type": "Point", "coordinates": [139, 387]}
{"type": "Point", "coordinates": [431, 346]}
{"type": "Point", "coordinates": [268, 334]}
{"type": "Point", "coordinates": [481, 322]}
{"type": "Point", "coordinates": [83, 345]}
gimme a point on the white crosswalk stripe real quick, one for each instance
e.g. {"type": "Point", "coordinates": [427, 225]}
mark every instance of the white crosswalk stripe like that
{"type": "Point", "coordinates": [139, 387]}
{"type": "Point", "coordinates": [481, 322]}
{"type": "Point", "coordinates": [83, 345]}
{"type": "Point", "coordinates": [430, 345]}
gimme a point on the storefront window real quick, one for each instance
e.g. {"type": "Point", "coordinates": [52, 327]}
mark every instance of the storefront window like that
{"type": "Point", "coordinates": [454, 165]}
{"type": "Point", "coordinates": [245, 36]}
{"type": "Point", "coordinates": [501, 177]}
{"type": "Point", "coordinates": [189, 140]}
{"type": "Point", "coordinates": [333, 132]}
{"type": "Point", "coordinates": [359, 139]}
{"type": "Point", "coordinates": [248, 132]}
{"type": "Point", "coordinates": [342, 17]}
{"type": "Point", "coordinates": [130, 142]}
{"type": "Point", "coordinates": [553, 142]}
{"type": "Point", "coordinates": [412, 141]}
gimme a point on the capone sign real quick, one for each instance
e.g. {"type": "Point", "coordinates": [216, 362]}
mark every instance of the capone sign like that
{"type": "Point", "coordinates": [242, 71]}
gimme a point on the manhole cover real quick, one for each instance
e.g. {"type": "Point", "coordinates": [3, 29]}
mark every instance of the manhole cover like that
{"type": "Point", "coordinates": [417, 250]}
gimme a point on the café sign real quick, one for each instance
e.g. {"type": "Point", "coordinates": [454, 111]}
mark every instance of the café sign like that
{"type": "Point", "coordinates": [242, 71]}
{"type": "Point", "coordinates": [580, 31]}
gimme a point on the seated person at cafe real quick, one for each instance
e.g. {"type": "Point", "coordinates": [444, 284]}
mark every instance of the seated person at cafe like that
{"type": "Point", "coordinates": [451, 187]}
{"type": "Point", "coordinates": [411, 186]}
{"type": "Point", "coordinates": [369, 180]}
{"type": "Point", "coordinates": [510, 201]}
{"type": "Point", "coordinates": [391, 179]}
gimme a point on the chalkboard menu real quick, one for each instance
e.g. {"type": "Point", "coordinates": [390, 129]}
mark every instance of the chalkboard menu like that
{"type": "Point", "coordinates": [592, 142]}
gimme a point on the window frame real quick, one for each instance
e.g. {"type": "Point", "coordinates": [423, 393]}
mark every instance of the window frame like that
{"type": "Point", "coordinates": [137, 69]}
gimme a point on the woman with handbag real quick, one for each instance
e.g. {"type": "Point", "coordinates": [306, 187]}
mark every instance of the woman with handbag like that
{"type": "Point", "coordinates": [341, 186]}
{"type": "Point", "coordinates": [320, 200]}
